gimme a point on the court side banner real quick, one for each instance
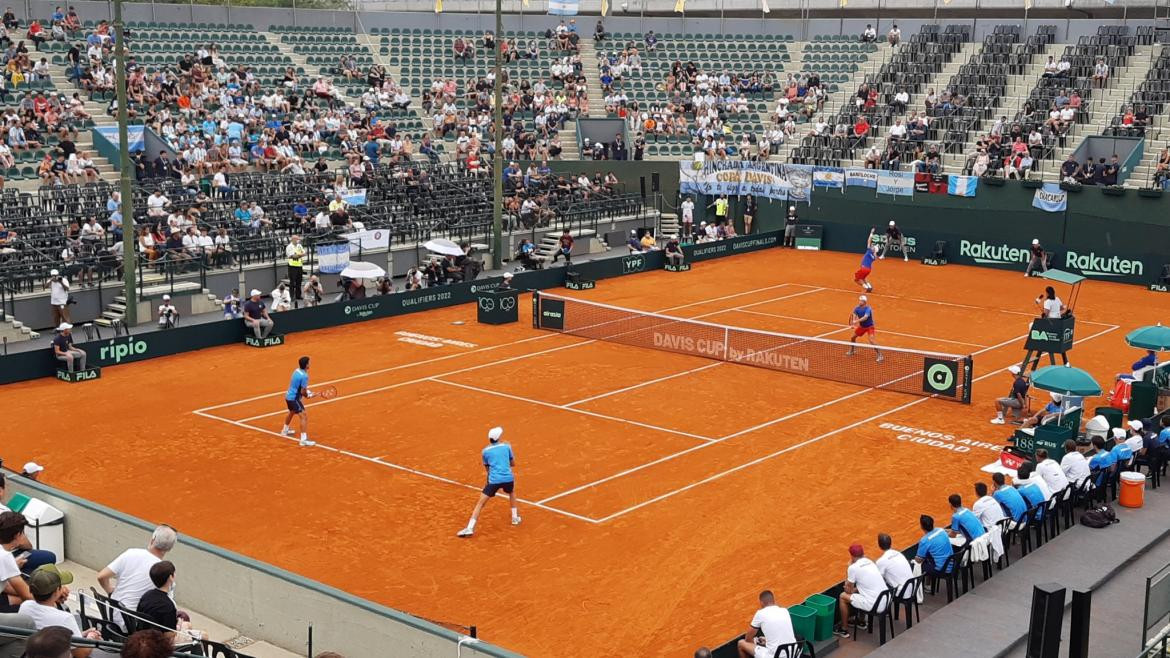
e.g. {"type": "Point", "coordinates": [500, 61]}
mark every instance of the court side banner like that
{"type": "Point", "coordinates": [738, 245]}
{"type": "Point", "coordinates": [769, 180]}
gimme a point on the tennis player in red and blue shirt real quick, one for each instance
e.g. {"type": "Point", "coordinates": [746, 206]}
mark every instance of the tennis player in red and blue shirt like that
{"type": "Point", "coordinates": [862, 322]}
{"type": "Point", "coordinates": [866, 263]}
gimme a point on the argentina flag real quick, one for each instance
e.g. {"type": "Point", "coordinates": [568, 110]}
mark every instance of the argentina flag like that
{"type": "Point", "coordinates": [563, 7]}
{"type": "Point", "coordinates": [962, 185]}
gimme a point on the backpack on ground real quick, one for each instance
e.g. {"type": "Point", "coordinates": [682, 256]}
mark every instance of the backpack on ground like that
{"type": "Point", "coordinates": [1099, 517]}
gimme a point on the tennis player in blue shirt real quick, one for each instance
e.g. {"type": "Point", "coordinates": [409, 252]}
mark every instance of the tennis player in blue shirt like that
{"type": "Point", "coordinates": [298, 389]}
{"type": "Point", "coordinates": [964, 523]}
{"type": "Point", "coordinates": [934, 548]}
{"type": "Point", "coordinates": [862, 322]}
{"type": "Point", "coordinates": [871, 249]}
{"type": "Point", "coordinates": [498, 461]}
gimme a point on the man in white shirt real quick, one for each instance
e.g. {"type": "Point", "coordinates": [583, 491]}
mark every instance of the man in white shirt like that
{"type": "Point", "coordinates": [131, 569]}
{"type": "Point", "coordinates": [59, 297]}
{"type": "Point", "coordinates": [776, 625]}
{"type": "Point", "coordinates": [893, 566]}
{"type": "Point", "coordinates": [1074, 464]}
{"type": "Point", "coordinates": [986, 509]}
{"type": "Point", "coordinates": [863, 585]}
{"type": "Point", "coordinates": [13, 583]}
{"type": "Point", "coordinates": [48, 587]}
{"type": "Point", "coordinates": [281, 298]}
{"type": "Point", "coordinates": [1050, 471]}
{"type": "Point", "coordinates": [1136, 439]}
{"type": "Point", "coordinates": [156, 204]}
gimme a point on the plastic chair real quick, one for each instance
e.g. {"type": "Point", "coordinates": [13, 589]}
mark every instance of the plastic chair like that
{"type": "Point", "coordinates": [907, 596]}
{"type": "Point", "coordinates": [885, 605]}
{"type": "Point", "coordinates": [797, 649]}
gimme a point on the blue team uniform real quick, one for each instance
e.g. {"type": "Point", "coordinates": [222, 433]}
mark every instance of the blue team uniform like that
{"type": "Point", "coordinates": [498, 457]}
{"type": "Point", "coordinates": [934, 548]}
{"type": "Point", "coordinates": [864, 315]}
{"type": "Point", "coordinates": [1011, 499]}
{"type": "Point", "coordinates": [297, 387]}
{"type": "Point", "coordinates": [867, 259]}
{"type": "Point", "coordinates": [964, 522]}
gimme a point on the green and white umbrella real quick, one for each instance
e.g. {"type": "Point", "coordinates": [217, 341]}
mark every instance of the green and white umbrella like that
{"type": "Point", "coordinates": [1155, 337]}
{"type": "Point", "coordinates": [1065, 380]}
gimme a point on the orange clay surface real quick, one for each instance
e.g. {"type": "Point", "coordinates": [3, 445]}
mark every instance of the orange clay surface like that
{"type": "Point", "coordinates": [663, 491]}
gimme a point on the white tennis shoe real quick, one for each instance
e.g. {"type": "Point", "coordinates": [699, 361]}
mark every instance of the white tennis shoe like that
{"type": "Point", "coordinates": [997, 421]}
{"type": "Point", "coordinates": [306, 443]}
{"type": "Point", "coordinates": [466, 532]}
{"type": "Point", "coordinates": [515, 520]}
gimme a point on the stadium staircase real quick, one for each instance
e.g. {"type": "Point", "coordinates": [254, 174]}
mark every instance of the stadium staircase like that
{"type": "Point", "coordinates": [13, 330]}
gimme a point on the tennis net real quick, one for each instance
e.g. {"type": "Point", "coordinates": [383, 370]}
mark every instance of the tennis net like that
{"type": "Point", "coordinates": [917, 372]}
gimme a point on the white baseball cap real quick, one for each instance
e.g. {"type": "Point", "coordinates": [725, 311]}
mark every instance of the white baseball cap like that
{"type": "Point", "coordinates": [1015, 370]}
{"type": "Point", "coordinates": [32, 467]}
{"type": "Point", "coordinates": [166, 298]}
{"type": "Point", "coordinates": [891, 222]}
{"type": "Point", "coordinates": [1136, 425]}
{"type": "Point", "coordinates": [862, 298]}
{"type": "Point", "coordinates": [1056, 397]}
{"type": "Point", "coordinates": [495, 433]}
{"type": "Point", "coordinates": [508, 275]}
{"type": "Point", "coordinates": [1035, 241]}
{"type": "Point", "coordinates": [63, 326]}
{"type": "Point", "coordinates": [254, 293]}
{"type": "Point", "coordinates": [1119, 433]}
{"type": "Point", "coordinates": [54, 273]}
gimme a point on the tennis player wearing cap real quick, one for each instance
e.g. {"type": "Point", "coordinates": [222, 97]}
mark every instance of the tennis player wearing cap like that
{"type": "Point", "coordinates": [862, 322]}
{"type": "Point", "coordinates": [1016, 399]}
{"type": "Point", "coordinates": [498, 461]}
{"type": "Point", "coordinates": [298, 388]}
{"type": "Point", "coordinates": [65, 350]}
{"type": "Point", "coordinates": [256, 315]}
{"type": "Point", "coordinates": [1039, 258]}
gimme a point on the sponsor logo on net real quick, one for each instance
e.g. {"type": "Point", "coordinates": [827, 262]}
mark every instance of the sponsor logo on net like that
{"type": "Point", "coordinates": [716, 349]}
{"type": "Point", "coordinates": [118, 349]}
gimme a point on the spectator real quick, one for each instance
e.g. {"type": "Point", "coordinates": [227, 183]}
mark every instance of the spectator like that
{"type": "Point", "coordinates": [157, 607]}
{"type": "Point", "coordinates": [894, 36]}
{"type": "Point", "coordinates": [281, 298]}
{"type": "Point", "coordinates": [648, 243]}
{"type": "Point", "coordinates": [1110, 171]}
{"type": "Point", "coordinates": [599, 32]}
{"type": "Point", "coordinates": [127, 578]}
{"type": "Point", "coordinates": [168, 315]}
{"type": "Point", "coordinates": [48, 585]}
{"type": "Point", "coordinates": [15, 589]}
{"type": "Point", "coordinates": [651, 41]}
{"type": "Point", "coordinates": [964, 524]}
{"type": "Point", "coordinates": [147, 644]}
{"type": "Point", "coordinates": [19, 546]}
{"type": "Point", "coordinates": [934, 548]}
{"type": "Point", "coordinates": [634, 245]}
{"type": "Point", "coordinates": [869, 35]}
{"type": "Point", "coordinates": [9, 19]}
{"type": "Point", "coordinates": [564, 248]}
{"type": "Point", "coordinates": [256, 315]}
{"type": "Point", "coordinates": [1050, 68]}
{"type": "Point", "coordinates": [1100, 73]}
{"type": "Point", "coordinates": [863, 585]}
{"type": "Point", "coordinates": [775, 624]}
{"type": "Point", "coordinates": [64, 349]}
{"type": "Point", "coordinates": [986, 508]}
{"type": "Point", "coordinates": [49, 642]}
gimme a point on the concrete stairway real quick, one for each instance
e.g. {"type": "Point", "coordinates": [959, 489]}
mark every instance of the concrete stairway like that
{"type": "Point", "coordinates": [13, 330]}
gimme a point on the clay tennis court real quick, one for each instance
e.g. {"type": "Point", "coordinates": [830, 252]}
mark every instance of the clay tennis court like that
{"type": "Point", "coordinates": [661, 490]}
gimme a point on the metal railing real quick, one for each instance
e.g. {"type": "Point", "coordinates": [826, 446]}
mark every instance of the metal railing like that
{"type": "Point", "coordinates": [80, 643]}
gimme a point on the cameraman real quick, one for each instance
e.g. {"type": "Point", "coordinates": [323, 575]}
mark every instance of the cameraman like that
{"type": "Point", "coordinates": [58, 296]}
{"type": "Point", "coordinates": [168, 315]}
{"type": "Point", "coordinates": [313, 292]}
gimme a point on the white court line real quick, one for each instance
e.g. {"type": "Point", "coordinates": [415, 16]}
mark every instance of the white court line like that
{"type": "Point", "coordinates": [815, 439]}
{"type": "Point", "coordinates": [884, 331]}
{"type": "Point", "coordinates": [640, 385]}
{"type": "Point", "coordinates": [494, 347]}
{"type": "Point", "coordinates": [571, 409]}
{"type": "Point", "coordinates": [397, 467]}
{"type": "Point", "coordinates": [956, 305]}
{"type": "Point", "coordinates": [739, 433]}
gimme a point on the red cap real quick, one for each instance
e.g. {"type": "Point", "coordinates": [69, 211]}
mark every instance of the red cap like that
{"type": "Point", "coordinates": [856, 550]}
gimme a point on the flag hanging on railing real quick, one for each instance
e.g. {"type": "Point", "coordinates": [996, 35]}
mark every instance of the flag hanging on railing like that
{"type": "Point", "coordinates": [1028, 4]}
{"type": "Point", "coordinates": [526, 4]}
{"type": "Point", "coordinates": [563, 7]}
{"type": "Point", "coordinates": [438, 6]}
{"type": "Point", "coordinates": [843, 2]}
{"type": "Point", "coordinates": [604, 7]}
{"type": "Point", "coordinates": [680, 6]}
{"type": "Point", "coordinates": [764, 7]}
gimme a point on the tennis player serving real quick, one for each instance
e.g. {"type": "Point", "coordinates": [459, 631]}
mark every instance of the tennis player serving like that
{"type": "Point", "coordinates": [298, 388]}
{"type": "Point", "coordinates": [862, 322]}
{"type": "Point", "coordinates": [871, 249]}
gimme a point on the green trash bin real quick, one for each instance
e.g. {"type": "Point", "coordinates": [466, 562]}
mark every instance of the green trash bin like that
{"type": "Point", "coordinates": [804, 622]}
{"type": "Point", "coordinates": [826, 607]}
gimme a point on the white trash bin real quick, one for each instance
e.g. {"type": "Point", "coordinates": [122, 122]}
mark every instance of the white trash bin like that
{"type": "Point", "coordinates": [46, 527]}
{"type": "Point", "coordinates": [1097, 426]}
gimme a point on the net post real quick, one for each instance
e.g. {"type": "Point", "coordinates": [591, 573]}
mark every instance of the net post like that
{"type": "Point", "coordinates": [968, 372]}
{"type": "Point", "coordinates": [536, 309]}
{"type": "Point", "coordinates": [726, 343]}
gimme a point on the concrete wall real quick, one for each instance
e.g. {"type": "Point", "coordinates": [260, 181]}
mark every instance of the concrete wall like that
{"type": "Point", "coordinates": [259, 600]}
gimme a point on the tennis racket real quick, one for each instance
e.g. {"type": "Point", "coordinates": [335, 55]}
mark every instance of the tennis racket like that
{"type": "Point", "coordinates": [325, 392]}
